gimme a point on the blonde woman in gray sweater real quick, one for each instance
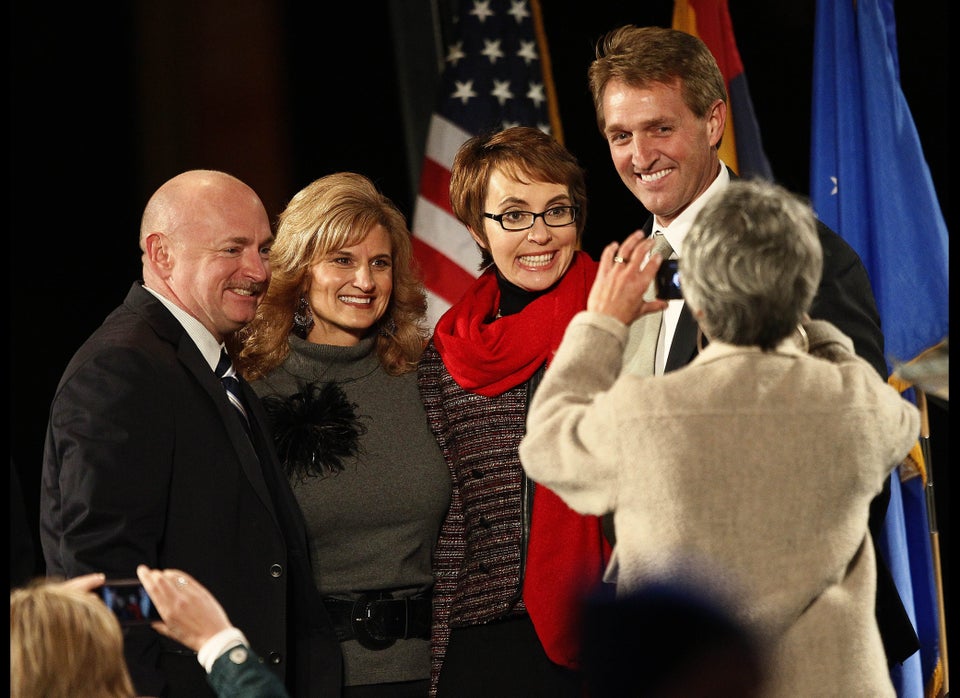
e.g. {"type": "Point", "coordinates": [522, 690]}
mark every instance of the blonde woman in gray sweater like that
{"type": "Point", "coordinates": [753, 467]}
{"type": "Point", "coordinates": [333, 353]}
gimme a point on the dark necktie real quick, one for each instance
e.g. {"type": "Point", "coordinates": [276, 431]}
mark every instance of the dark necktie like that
{"type": "Point", "coordinates": [231, 384]}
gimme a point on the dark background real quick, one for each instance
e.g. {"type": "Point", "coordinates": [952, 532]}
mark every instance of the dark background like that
{"type": "Point", "coordinates": [109, 100]}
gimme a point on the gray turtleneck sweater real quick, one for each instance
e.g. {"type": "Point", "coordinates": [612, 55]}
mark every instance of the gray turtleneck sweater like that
{"type": "Point", "coordinates": [372, 526]}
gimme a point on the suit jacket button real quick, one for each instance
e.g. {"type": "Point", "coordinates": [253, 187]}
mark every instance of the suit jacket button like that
{"type": "Point", "coordinates": [274, 658]}
{"type": "Point", "coordinates": [276, 571]}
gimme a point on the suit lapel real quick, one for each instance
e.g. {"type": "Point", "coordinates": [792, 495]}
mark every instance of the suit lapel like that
{"type": "Point", "coordinates": [167, 327]}
{"type": "Point", "coordinates": [684, 345]}
{"type": "Point", "coordinates": [194, 362]}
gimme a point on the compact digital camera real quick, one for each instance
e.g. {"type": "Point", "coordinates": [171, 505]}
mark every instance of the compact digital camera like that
{"type": "Point", "coordinates": [668, 280]}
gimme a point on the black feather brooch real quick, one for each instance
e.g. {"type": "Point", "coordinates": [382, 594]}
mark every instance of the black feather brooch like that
{"type": "Point", "coordinates": [314, 430]}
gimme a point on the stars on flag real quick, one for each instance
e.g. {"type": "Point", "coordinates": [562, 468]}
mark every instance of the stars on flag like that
{"type": "Point", "coordinates": [492, 79]}
{"type": "Point", "coordinates": [493, 68]}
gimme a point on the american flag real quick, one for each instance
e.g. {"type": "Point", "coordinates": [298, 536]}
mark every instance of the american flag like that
{"type": "Point", "coordinates": [496, 75]}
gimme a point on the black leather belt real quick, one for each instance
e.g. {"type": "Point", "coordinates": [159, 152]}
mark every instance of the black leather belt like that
{"type": "Point", "coordinates": [376, 620]}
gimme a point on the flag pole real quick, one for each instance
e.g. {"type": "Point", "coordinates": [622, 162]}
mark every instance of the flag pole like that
{"type": "Point", "coordinates": [921, 398]}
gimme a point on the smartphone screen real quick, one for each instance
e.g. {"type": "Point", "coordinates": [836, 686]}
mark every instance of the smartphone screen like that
{"type": "Point", "coordinates": [129, 601]}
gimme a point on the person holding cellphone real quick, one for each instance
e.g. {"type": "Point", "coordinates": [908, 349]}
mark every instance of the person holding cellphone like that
{"type": "Point", "coordinates": [192, 616]}
{"type": "Point", "coordinates": [63, 638]}
{"type": "Point", "coordinates": [777, 528]}
{"type": "Point", "coordinates": [46, 612]}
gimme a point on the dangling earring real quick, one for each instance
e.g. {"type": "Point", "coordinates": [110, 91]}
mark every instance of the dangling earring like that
{"type": "Point", "coordinates": [302, 318]}
{"type": "Point", "coordinates": [388, 327]}
{"type": "Point", "coordinates": [699, 340]}
{"type": "Point", "coordinates": [804, 340]}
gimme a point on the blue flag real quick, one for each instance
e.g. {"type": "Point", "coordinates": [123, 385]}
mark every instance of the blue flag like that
{"type": "Point", "coordinates": [870, 182]}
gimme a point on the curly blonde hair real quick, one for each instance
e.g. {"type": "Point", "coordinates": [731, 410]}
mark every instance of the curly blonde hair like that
{"type": "Point", "coordinates": [331, 213]}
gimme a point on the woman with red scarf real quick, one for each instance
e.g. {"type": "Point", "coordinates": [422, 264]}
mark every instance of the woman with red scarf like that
{"type": "Point", "coordinates": [513, 562]}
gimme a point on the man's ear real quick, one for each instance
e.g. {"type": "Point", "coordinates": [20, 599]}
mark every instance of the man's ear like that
{"type": "Point", "coordinates": [158, 251]}
{"type": "Point", "coordinates": [717, 121]}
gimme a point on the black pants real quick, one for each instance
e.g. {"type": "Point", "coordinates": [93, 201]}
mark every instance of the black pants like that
{"type": "Point", "coordinates": [503, 659]}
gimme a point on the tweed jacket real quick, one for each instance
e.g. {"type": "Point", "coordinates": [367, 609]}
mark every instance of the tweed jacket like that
{"type": "Point", "coordinates": [756, 468]}
{"type": "Point", "coordinates": [482, 455]}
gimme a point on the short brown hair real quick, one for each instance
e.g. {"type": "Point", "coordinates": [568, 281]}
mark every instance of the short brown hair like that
{"type": "Point", "coordinates": [639, 56]}
{"type": "Point", "coordinates": [522, 152]}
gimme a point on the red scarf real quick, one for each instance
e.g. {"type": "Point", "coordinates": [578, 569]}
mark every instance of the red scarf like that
{"type": "Point", "coordinates": [567, 552]}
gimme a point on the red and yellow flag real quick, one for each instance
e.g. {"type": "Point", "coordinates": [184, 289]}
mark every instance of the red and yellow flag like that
{"type": "Point", "coordinates": [741, 147]}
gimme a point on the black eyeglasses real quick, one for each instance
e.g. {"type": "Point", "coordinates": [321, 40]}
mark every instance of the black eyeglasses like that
{"type": "Point", "coordinates": [555, 217]}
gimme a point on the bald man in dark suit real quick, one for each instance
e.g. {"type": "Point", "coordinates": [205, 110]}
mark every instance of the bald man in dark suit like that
{"type": "Point", "coordinates": [147, 461]}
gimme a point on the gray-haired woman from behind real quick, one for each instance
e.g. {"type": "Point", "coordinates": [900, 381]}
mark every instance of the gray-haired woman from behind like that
{"type": "Point", "coordinates": [756, 463]}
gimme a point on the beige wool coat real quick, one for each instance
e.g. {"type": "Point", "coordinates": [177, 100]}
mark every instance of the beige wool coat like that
{"type": "Point", "coordinates": [755, 468]}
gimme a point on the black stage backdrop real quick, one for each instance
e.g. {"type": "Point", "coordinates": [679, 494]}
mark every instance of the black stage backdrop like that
{"type": "Point", "coordinates": [108, 100]}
